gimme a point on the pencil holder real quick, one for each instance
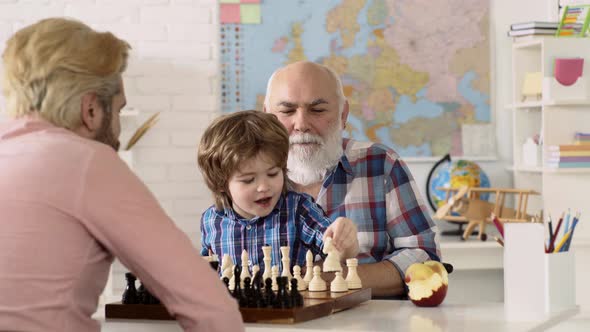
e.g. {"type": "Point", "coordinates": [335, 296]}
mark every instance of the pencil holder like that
{"type": "Point", "coordinates": [536, 284]}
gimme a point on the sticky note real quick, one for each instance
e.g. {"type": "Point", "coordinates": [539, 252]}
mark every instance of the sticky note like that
{"type": "Point", "coordinates": [229, 13]}
{"type": "Point", "coordinates": [250, 14]}
{"type": "Point", "coordinates": [249, 1]}
{"type": "Point", "coordinates": [229, 1]}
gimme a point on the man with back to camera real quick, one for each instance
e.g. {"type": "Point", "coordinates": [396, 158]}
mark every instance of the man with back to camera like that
{"type": "Point", "coordinates": [364, 181]}
{"type": "Point", "coordinates": [68, 204]}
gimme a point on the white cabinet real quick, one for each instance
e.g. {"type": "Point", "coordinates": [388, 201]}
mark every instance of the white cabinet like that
{"type": "Point", "coordinates": [556, 118]}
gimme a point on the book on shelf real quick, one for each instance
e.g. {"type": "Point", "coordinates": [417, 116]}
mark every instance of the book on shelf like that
{"type": "Point", "coordinates": [556, 154]}
{"type": "Point", "coordinates": [534, 25]}
{"type": "Point", "coordinates": [581, 138]}
{"type": "Point", "coordinates": [574, 21]}
{"type": "Point", "coordinates": [531, 32]}
{"type": "Point", "coordinates": [566, 159]}
{"type": "Point", "coordinates": [568, 164]}
{"type": "Point", "coordinates": [568, 147]}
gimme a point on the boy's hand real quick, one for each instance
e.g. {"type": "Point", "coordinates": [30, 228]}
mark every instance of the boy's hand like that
{"type": "Point", "coordinates": [344, 237]}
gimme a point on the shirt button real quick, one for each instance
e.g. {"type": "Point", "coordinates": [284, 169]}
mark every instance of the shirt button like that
{"type": "Point", "coordinates": [248, 227]}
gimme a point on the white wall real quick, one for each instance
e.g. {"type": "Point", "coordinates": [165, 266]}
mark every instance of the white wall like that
{"type": "Point", "coordinates": [173, 69]}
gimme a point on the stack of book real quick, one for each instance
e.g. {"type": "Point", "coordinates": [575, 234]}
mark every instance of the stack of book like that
{"type": "Point", "coordinates": [568, 156]}
{"type": "Point", "coordinates": [582, 139]}
{"type": "Point", "coordinates": [533, 29]}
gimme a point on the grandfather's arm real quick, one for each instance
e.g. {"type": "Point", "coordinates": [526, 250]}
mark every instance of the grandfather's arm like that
{"type": "Point", "coordinates": [382, 277]}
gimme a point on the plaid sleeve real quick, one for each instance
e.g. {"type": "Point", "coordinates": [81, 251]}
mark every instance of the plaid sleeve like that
{"type": "Point", "coordinates": [409, 224]}
{"type": "Point", "coordinates": [313, 221]}
{"type": "Point", "coordinates": [204, 238]}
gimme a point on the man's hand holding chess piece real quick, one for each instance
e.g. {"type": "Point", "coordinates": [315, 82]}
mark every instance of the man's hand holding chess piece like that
{"type": "Point", "coordinates": [343, 235]}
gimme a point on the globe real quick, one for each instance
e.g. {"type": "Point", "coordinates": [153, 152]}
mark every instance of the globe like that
{"type": "Point", "coordinates": [454, 174]}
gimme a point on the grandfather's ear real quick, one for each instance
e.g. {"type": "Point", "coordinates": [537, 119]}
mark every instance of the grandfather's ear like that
{"type": "Point", "coordinates": [344, 113]}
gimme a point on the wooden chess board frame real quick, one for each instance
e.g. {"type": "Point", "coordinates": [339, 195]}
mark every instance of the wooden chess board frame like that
{"type": "Point", "coordinates": [315, 305]}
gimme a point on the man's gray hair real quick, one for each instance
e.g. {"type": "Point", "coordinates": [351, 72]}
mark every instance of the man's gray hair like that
{"type": "Point", "coordinates": [333, 75]}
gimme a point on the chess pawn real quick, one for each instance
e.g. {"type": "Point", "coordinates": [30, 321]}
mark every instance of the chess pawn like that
{"type": "Point", "coordinates": [338, 285]}
{"type": "Point", "coordinates": [309, 267]}
{"type": "Point", "coordinates": [352, 278]}
{"type": "Point", "coordinates": [226, 266]}
{"type": "Point", "coordinates": [317, 284]}
{"type": "Point", "coordinates": [286, 262]}
{"type": "Point", "coordinates": [332, 262]}
{"type": "Point", "coordinates": [267, 259]}
{"type": "Point", "coordinates": [274, 275]}
{"type": "Point", "coordinates": [130, 293]}
{"type": "Point", "coordinates": [301, 284]}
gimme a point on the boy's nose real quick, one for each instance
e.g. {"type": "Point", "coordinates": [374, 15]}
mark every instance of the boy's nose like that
{"type": "Point", "coordinates": [263, 186]}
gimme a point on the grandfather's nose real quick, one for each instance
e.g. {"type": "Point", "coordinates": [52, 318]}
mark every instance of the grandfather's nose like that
{"type": "Point", "coordinates": [301, 121]}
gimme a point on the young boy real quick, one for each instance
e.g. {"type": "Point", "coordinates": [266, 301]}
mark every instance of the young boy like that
{"type": "Point", "coordinates": [243, 159]}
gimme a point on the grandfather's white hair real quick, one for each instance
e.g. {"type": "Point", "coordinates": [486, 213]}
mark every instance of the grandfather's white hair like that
{"type": "Point", "coordinates": [331, 73]}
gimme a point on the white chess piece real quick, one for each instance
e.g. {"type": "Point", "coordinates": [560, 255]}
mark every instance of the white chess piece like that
{"type": "Point", "coordinates": [274, 275]}
{"type": "Point", "coordinates": [301, 284]}
{"type": "Point", "coordinates": [232, 278]}
{"type": "Point", "coordinates": [352, 278]}
{"type": "Point", "coordinates": [267, 259]}
{"type": "Point", "coordinates": [317, 284]}
{"type": "Point", "coordinates": [226, 263]}
{"type": "Point", "coordinates": [255, 269]}
{"type": "Point", "coordinates": [332, 262]}
{"type": "Point", "coordinates": [308, 267]}
{"type": "Point", "coordinates": [286, 262]}
{"type": "Point", "coordinates": [245, 264]}
{"type": "Point", "coordinates": [338, 285]}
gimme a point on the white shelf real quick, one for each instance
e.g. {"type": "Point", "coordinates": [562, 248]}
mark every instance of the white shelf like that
{"type": "Point", "coordinates": [529, 44]}
{"type": "Point", "coordinates": [528, 169]}
{"type": "Point", "coordinates": [537, 105]}
{"type": "Point", "coordinates": [567, 170]}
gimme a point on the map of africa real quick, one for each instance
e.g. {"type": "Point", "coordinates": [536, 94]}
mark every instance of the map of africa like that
{"type": "Point", "coordinates": [413, 71]}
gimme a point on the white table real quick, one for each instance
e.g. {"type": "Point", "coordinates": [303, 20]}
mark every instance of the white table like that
{"type": "Point", "coordinates": [395, 316]}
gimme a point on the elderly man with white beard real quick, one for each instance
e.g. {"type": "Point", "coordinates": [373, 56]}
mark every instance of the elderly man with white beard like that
{"type": "Point", "coordinates": [364, 181]}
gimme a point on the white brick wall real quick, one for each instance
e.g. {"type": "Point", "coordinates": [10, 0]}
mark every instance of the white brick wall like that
{"type": "Point", "coordinates": [172, 70]}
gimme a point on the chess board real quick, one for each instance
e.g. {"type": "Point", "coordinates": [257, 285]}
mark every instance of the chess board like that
{"type": "Point", "coordinates": [315, 305]}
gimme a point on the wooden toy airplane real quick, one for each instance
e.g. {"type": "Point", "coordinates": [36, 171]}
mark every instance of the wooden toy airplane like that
{"type": "Point", "coordinates": [475, 212]}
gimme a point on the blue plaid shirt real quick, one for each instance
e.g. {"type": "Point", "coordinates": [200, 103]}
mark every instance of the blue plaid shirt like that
{"type": "Point", "coordinates": [372, 186]}
{"type": "Point", "coordinates": [295, 221]}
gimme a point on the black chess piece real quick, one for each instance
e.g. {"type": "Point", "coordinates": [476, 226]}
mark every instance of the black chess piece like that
{"type": "Point", "coordinates": [269, 295]}
{"type": "Point", "coordinates": [258, 297]}
{"type": "Point", "coordinates": [226, 282]}
{"type": "Point", "coordinates": [141, 294]}
{"type": "Point", "coordinates": [214, 265]}
{"type": "Point", "coordinates": [248, 293]}
{"type": "Point", "coordinates": [283, 299]}
{"type": "Point", "coordinates": [296, 297]}
{"type": "Point", "coordinates": [130, 293]}
{"type": "Point", "coordinates": [237, 293]}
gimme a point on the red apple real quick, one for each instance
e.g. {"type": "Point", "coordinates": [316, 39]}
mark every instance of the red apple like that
{"type": "Point", "coordinates": [427, 282]}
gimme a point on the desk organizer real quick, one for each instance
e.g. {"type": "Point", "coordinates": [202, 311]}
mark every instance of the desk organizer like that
{"type": "Point", "coordinates": [536, 284]}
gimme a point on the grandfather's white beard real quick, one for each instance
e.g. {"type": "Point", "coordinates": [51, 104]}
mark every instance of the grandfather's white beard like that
{"type": "Point", "coordinates": [308, 164]}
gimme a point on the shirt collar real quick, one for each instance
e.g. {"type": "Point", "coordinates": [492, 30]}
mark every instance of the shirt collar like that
{"type": "Point", "coordinates": [344, 160]}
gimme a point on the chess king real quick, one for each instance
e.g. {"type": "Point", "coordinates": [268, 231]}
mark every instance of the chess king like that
{"type": "Point", "coordinates": [243, 159]}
